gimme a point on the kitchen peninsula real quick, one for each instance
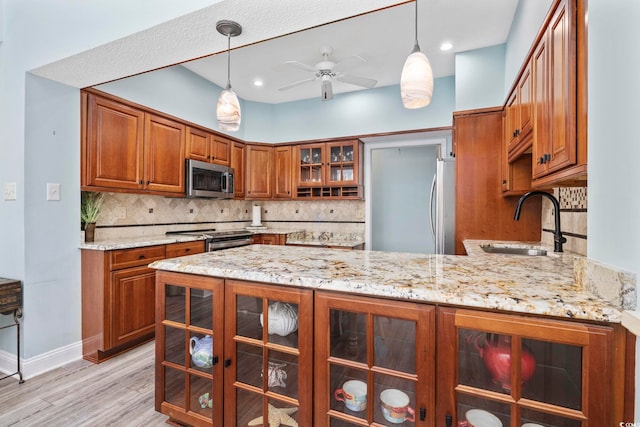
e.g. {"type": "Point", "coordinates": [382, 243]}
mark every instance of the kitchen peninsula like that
{"type": "Point", "coordinates": [378, 318]}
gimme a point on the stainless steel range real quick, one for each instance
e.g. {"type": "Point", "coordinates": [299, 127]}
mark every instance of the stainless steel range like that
{"type": "Point", "coordinates": [217, 240]}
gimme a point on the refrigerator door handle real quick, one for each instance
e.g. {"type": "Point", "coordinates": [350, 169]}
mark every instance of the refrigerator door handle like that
{"type": "Point", "coordinates": [431, 200]}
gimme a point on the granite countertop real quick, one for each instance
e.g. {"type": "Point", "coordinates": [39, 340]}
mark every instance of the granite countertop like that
{"type": "Point", "coordinates": [531, 285]}
{"type": "Point", "coordinates": [325, 239]}
{"type": "Point", "coordinates": [137, 242]}
{"type": "Point", "coordinates": [294, 237]}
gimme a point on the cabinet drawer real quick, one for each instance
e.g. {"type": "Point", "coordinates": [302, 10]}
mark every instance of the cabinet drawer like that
{"type": "Point", "coordinates": [184, 248]}
{"type": "Point", "coordinates": [124, 258]}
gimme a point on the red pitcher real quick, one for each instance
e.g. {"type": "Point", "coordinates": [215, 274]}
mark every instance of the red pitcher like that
{"type": "Point", "coordinates": [496, 355]}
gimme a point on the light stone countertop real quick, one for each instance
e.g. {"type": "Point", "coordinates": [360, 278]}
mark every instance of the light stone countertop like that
{"type": "Point", "coordinates": [531, 285]}
{"type": "Point", "coordinates": [295, 236]}
{"type": "Point", "coordinates": [137, 242]}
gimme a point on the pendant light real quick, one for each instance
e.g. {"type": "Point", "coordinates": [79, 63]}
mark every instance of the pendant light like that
{"type": "Point", "coordinates": [228, 108]}
{"type": "Point", "coordinates": [416, 81]}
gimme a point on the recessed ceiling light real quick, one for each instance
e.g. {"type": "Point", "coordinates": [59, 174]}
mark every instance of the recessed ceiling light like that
{"type": "Point", "coordinates": [446, 46]}
{"type": "Point", "coordinates": [258, 82]}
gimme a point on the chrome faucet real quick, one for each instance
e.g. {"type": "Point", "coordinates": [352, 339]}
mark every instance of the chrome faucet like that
{"type": "Point", "coordinates": [558, 239]}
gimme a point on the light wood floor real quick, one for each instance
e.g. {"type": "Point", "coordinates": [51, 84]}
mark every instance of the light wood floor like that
{"type": "Point", "coordinates": [118, 392]}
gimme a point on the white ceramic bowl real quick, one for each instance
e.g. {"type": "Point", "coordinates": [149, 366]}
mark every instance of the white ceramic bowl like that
{"type": "Point", "coordinates": [482, 418]}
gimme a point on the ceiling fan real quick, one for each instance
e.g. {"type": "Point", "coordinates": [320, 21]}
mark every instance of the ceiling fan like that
{"type": "Point", "coordinates": [326, 71]}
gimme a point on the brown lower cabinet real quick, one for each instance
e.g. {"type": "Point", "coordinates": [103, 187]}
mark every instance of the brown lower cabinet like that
{"type": "Point", "coordinates": [269, 239]}
{"type": "Point", "coordinates": [118, 297]}
{"type": "Point", "coordinates": [335, 359]}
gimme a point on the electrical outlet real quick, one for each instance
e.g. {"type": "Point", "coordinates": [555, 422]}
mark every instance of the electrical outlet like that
{"type": "Point", "coordinates": [53, 191]}
{"type": "Point", "coordinates": [10, 191]}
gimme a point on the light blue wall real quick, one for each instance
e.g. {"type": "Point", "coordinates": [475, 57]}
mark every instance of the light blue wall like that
{"type": "Point", "coordinates": [363, 112]}
{"type": "Point", "coordinates": [179, 92]}
{"type": "Point", "coordinates": [480, 78]}
{"type": "Point", "coordinates": [524, 29]}
{"type": "Point", "coordinates": [38, 32]}
{"type": "Point", "coordinates": [614, 149]}
{"type": "Point", "coordinates": [176, 91]}
{"type": "Point", "coordinates": [52, 228]}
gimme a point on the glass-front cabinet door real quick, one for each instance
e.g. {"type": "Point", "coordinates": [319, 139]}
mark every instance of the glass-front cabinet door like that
{"type": "Point", "coordinates": [342, 163]}
{"type": "Point", "coordinates": [518, 371]}
{"type": "Point", "coordinates": [189, 340]}
{"type": "Point", "coordinates": [374, 362]}
{"type": "Point", "coordinates": [311, 162]}
{"type": "Point", "coordinates": [268, 354]}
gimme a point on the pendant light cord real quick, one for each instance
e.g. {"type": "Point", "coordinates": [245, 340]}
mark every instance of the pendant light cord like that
{"type": "Point", "coordinates": [228, 61]}
{"type": "Point", "coordinates": [416, 47]}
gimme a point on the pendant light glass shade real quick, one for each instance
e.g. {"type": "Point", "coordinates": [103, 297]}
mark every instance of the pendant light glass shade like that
{"type": "Point", "coordinates": [228, 107]}
{"type": "Point", "coordinates": [416, 80]}
{"type": "Point", "coordinates": [228, 111]}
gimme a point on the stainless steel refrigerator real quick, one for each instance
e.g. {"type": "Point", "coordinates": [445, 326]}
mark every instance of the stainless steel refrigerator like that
{"type": "Point", "coordinates": [442, 201]}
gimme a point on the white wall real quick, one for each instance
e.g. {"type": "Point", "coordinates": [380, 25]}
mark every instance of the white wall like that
{"type": "Point", "coordinates": [614, 149]}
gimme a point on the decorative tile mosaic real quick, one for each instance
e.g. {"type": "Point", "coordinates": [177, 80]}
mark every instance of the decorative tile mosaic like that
{"type": "Point", "coordinates": [573, 218]}
{"type": "Point", "coordinates": [572, 197]}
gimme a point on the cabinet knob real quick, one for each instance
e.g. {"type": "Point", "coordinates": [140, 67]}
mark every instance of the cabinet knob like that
{"type": "Point", "coordinates": [423, 414]}
{"type": "Point", "coordinates": [504, 181]}
{"type": "Point", "coordinates": [148, 182]}
{"type": "Point", "coordinates": [141, 182]}
{"type": "Point", "coordinates": [188, 250]}
{"type": "Point", "coordinates": [227, 363]}
{"type": "Point", "coordinates": [140, 256]}
{"type": "Point", "coordinates": [541, 161]}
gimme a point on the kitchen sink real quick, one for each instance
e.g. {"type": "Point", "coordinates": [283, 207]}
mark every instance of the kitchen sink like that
{"type": "Point", "coordinates": [513, 250]}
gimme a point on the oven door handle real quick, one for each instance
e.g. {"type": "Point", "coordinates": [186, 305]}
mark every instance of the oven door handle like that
{"type": "Point", "coordinates": [225, 244]}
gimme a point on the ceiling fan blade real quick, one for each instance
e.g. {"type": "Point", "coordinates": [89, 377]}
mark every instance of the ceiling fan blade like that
{"type": "Point", "coordinates": [301, 66]}
{"type": "Point", "coordinates": [298, 83]}
{"type": "Point", "coordinates": [358, 81]}
{"type": "Point", "coordinates": [348, 62]}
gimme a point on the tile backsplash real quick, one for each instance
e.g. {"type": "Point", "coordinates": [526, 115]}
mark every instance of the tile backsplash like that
{"type": "Point", "coordinates": [125, 215]}
{"type": "Point", "coordinates": [573, 218]}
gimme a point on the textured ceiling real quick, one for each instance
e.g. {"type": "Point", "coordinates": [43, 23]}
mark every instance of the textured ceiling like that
{"type": "Point", "coordinates": [383, 38]}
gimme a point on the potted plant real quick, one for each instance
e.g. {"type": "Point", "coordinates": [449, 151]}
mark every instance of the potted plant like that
{"type": "Point", "coordinates": [90, 205]}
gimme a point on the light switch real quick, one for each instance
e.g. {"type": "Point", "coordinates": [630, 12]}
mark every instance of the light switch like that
{"type": "Point", "coordinates": [10, 191]}
{"type": "Point", "coordinates": [53, 191]}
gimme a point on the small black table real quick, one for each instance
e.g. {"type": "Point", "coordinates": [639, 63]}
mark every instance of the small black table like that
{"type": "Point", "coordinates": [11, 303]}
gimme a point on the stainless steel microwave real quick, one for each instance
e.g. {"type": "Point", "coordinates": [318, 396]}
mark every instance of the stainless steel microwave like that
{"type": "Point", "coordinates": [204, 179]}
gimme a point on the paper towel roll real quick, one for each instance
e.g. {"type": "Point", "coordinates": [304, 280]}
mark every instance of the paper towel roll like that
{"type": "Point", "coordinates": [256, 216]}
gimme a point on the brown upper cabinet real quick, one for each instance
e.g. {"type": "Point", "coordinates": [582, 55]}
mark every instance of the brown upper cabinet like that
{"type": "Point", "coordinates": [328, 169]}
{"type": "Point", "coordinates": [259, 175]}
{"type": "Point", "coordinates": [125, 148]}
{"type": "Point", "coordinates": [207, 147]}
{"type": "Point", "coordinates": [555, 82]}
{"type": "Point", "coordinates": [238, 156]}
{"type": "Point", "coordinates": [545, 137]}
{"type": "Point", "coordinates": [282, 170]}
{"type": "Point", "coordinates": [518, 115]}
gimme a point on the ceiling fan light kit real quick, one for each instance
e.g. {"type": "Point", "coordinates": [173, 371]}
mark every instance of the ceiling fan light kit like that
{"type": "Point", "coordinates": [416, 80]}
{"type": "Point", "coordinates": [228, 107]}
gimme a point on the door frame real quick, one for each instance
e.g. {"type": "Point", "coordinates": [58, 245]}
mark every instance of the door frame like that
{"type": "Point", "coordinates": [418, 139]}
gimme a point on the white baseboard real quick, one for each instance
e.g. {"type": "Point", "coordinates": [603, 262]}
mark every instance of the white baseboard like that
{"type": "Point", "coordinates": [41, 363]}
